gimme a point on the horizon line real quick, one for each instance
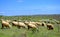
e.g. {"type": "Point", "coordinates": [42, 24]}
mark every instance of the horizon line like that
{"type": "Point", "coordinates": [30, 15]}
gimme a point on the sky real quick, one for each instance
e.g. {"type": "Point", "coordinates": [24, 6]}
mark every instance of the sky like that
{"type": "Point", "coordinates": [29, 7]}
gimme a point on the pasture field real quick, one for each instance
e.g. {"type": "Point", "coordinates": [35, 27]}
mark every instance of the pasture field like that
{"type": "Point", "coordinates": [22, 32]}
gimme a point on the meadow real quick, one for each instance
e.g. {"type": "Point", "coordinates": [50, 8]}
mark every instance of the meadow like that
{"type": "Point", "coordinates": [43, 31]}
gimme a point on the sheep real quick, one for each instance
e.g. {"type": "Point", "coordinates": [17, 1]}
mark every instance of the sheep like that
{"type": "Point", "coordinates": [31, 26]}
{"type": "Point", "coordinates": [8, 21]}
{"type": "Point", "coordinates": [43, 24]}
{"type": "Point", "coordinates": [18, 24]}
{"type": "Point", "coordinates": [14, 23]}
{"type": "Point", "coordinates": [5, 24]}
{"type": "Point", "coordinates": [34, 23]}
{"type": "Point", "coordinates": [21, 24]}
{"type": "Point", "coordinates": [50, 26]}
{"type": "Point", "coordinates": [39, 23]}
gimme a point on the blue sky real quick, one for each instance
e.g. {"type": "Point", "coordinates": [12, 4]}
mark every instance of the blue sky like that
{"type": "Point", "coordinates": [29, 7]}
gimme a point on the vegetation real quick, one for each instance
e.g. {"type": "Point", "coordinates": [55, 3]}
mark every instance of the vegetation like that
{"type": "Point", "coordinates": [43, 32]}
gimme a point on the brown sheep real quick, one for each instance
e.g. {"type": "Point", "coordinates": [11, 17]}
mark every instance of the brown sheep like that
{"type": "Point", "coordinates": [50, 27]}
{"type": "Point", "coordinates": [5, 24]}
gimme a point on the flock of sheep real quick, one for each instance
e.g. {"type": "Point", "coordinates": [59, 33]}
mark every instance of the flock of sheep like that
{"type": "Point", "coordinates": [25, 24]}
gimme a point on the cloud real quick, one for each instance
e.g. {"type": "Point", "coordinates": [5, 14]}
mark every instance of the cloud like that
{"type": "Point", "coordinates": [2, 13]}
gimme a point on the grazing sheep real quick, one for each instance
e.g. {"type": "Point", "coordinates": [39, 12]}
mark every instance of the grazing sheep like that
{"type": "Point", "coordinates": [50, 27]}
{"type": "Point", "coordinates": [39, 23]}
{"type": "Point", "coordinates": [26, 22]}
{"type": "Point", "coordinates": [9, 21]}
{"type": "Point", "coordinates": [14, 23]}
{"type": "Point", "coordinates": [21, 24]}
{"type": "Point", "coordinates": [5, 24]}
{"type": "Point", "coordinates": [18, 24]}
{"type": "Point", "coordinates": [43, 24]}
{"type": "Point", "coordinates": [34, 23]}
{"type": "Point", "coordinates": [31, 25]}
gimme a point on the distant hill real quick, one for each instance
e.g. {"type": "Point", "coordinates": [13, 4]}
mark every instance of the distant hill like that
{"type": "Point", "coordinates": [54, 16]}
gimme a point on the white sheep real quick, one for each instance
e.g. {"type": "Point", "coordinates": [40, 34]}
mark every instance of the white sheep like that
{"type": "Point", "coordinates": [21, 24]}
{"type": "Point", "coordinates": [31, 25]}
{"type": "Point", "coordinates": [18, 24]}
{"type": "Point", "coordinates": [50, 26]}
{"type": "Point", "coordinates": [5, 24]}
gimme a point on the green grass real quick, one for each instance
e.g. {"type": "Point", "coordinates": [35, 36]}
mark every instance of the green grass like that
{"type": "Point", "coordinates": [43, 32]}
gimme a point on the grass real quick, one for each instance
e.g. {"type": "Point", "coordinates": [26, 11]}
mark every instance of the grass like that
{"type": "Point", "coordinates": [43, 32]}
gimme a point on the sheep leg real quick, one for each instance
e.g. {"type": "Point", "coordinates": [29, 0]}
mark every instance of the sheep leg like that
{"type": "Point", "coordinates": [18, 27]}
{"type": "Point", "coordinates": [13, 24]}
{"type": "Point", "coordinates": [2, 26]}
{"type": "Point", "coordinates": [52, 28]}
{"type": "Point", "coordinates": [24, 27]}
{"type": "Point", "coordinates": [7, 27]}
{"type": "Point", "coordinates": [48, 27]}
{"type": "Point", "coordinates": [29, 27]}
